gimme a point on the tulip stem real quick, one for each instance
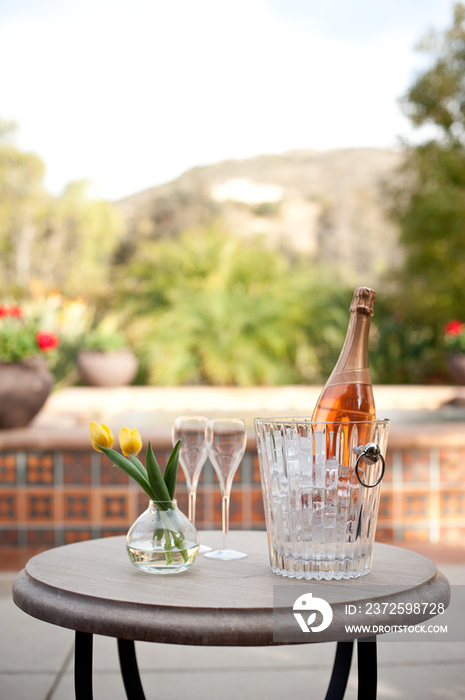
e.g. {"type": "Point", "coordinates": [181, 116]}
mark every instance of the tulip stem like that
{"type": "Point", "coordinates": [168, 548]}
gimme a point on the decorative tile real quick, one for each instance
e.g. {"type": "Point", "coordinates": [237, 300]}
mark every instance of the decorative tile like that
{"type": "Point", "coordinates": [239, 475]}
{"type": "Point", "coordinates": [114, 507]}
{"type": "Point", "coordinates": [77, 505]}
{"type": "Point", "coordinates": [181, 476]}
{"type": "Point", "coordinates": [385, 511]}
{"type": "Point", "coordinates": [415, 465]}
{"type": "Point", "coordinates": [181, 499]}
{"type": "Point", "coordinates": [415, 505]}
{"type": "Point", "coordinates": [9, 538]}
{"type": "Point", "coordinates": [208, 475]}
{"type": "Point", "coordinates": [77, 467]}
{"type": "Point", "coordinates": [256, 478]}
{"type": "Point", "coordinates": [40, 537]}
{"type": "Point", "coordinates": [384, 534]}
{"type": "Point", "coordinates": [39, 468]}
{"type": "Point", "coordinates": [40, 506]}
{"type": "Point", "coordinates": [452, 504]}
{"type": "Point", "coordinates": [415, 535]}
{"type": "Point", "coordinates": [181, 490]}
{"type": "Point", "coordinates": [45, 506]}
{"type": "Point", "coordinates": [109, 474]}
{"type": "Point", "coordinates": [200, 506]}
{"type": "Point", "coordinates": [8, 506]}
{"type": "Point", "coordinates": [235, 507]}
{"type": "Point", "coordinates": [455, 535]}
{"type": "Point", "coordinates": [258, 513]}
{"type": "Point", "coordinates": [216, 515]}
{"type": "Point", "coordinates": [452, 465]}
{"type": "Point", "coordinates": [114, 532]}
{"type": "Point", "coordinates": [71, 536]}
{"type": "Point", "coordinates": [389, 459]}
{"type": "Point", "coordinates": [7, 468]}
{"type": "Point", "coordinates": [142, 502]}
{"type": "Point", "coordinates": [203, 473]}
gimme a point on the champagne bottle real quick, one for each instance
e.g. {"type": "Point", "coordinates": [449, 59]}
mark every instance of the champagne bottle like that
{"type": "Point", "coordinates": [348, 393]}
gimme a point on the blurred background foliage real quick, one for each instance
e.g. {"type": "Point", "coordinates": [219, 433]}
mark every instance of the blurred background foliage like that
{"type": "Point", "coordinates": [207, 307]}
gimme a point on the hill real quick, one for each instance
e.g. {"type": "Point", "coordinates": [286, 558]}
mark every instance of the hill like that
{"type": "Point", "coordinates": [331, 204]}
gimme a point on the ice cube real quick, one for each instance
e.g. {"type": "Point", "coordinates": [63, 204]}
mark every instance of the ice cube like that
{"type": "Point", "coordinates": [319, 476]}
{"type": "Point", "coordinates": [330, 520]}
{"type": "Point", "coordinates": [331, 500]}
{"type": "Point", "coordinates": [283, 485]}
{"type": "Point", "coordinates": [294, 481]}
{"type": "Point", "coordinates": [293, 466]}
{"type": "Point", "coordinates": [332, 472]}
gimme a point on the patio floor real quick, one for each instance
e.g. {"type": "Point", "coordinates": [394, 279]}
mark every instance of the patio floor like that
{"type": "Point", "coordinates": [36, 663]}
{"type": "Point", "coordinates": [36, 659]}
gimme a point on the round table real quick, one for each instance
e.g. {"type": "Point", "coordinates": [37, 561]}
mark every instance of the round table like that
{"type": "Point", "coordinates": [92, 588]}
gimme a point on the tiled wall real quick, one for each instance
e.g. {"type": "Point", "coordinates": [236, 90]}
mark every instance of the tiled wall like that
{"type": "Point", "coordinates": [54, 498]}
{"type": "Point", "coordinates": [423, 496]}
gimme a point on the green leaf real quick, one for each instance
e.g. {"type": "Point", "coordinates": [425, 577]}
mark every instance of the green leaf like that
{"type": "Point", "coordinates": [156, 480]}
{"type": "Point", "coordinates": [138, 464]}
{"type": "Point", "coordinates": [124, 464]}
{"type": "Point", "coordinates": [171, 471]}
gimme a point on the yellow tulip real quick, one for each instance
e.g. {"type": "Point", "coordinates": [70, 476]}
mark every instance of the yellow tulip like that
{"type": "Point", "coordinates": [130, 441]}
{"type": "Point", "coordinates": [100, 435]}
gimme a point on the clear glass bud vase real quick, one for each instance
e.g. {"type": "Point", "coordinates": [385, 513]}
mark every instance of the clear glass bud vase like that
{"type": "Point", "coordinates": [162, 540]}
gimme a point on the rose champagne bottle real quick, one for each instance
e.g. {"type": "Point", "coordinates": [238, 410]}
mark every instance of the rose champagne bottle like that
{"type": "Point", "coordinates": [348, 393]}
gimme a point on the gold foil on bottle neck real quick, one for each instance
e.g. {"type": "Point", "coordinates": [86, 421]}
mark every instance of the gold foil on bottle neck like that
{"type": "Point", "coordinates": [363, 301]}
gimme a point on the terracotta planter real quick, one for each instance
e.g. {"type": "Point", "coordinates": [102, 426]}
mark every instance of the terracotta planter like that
{"type": "Point", "coordinates": [456, 363]}
{"type": "Point", "coordinates": [117, 368]}
{"type": "Point", "coordinates": [24, 387]}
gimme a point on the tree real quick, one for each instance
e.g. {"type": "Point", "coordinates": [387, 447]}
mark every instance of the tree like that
{"type": "Point", "coordinates": [79, 236]}
{"type": "Point", "coordinates": [23, 206]}
{"type": "Point", "coordinates": [430, 207]}
{"type": "Point", "coordinates": [65, 242]}
{"type": "Point", "coordinates": [210, 308]}
{"type": "Point", "coordinates": [437, 97]}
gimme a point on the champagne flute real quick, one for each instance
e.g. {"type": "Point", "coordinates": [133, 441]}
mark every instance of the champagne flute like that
{"type": "Point", "coordinates": [192, 457]}
{"type": "Point", "coordinates": [226, 440]}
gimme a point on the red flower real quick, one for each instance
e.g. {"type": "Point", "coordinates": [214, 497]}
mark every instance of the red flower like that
{"type": "Point", "coordinates": [15, 311]}
{"type": "Point", "coordinates": [47, 341]}
{"type": "Point", "coordinates": [10, 311]}
{"type": "Point", "coordinates": [454, 328]}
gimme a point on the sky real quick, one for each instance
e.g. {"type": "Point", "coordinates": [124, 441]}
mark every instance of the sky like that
{"type": "Point", "coordinates": [129, 95]}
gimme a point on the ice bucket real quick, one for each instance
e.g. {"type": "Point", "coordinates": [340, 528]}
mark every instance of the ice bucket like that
{"type": "Point", "coordinates": [321, 485]}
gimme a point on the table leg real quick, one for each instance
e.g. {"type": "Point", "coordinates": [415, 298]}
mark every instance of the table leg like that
{"type": "Point", "coordinates": [83, 666]}
{"type": "Point", "coordinates": [367, 668]}
{"type": "Point", "coordinates": [130, 670]}
{"type": "Point", "coordinates": [341, 668]}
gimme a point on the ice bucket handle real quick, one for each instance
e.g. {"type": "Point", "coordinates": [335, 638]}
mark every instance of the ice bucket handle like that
{"type": "Point", "coordinates": [371, 454]}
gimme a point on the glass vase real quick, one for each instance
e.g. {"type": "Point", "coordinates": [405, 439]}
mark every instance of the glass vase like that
{"type": "Point", "coordinates": [162, 540]}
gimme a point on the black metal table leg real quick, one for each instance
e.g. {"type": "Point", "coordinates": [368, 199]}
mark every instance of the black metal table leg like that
{"type": "Point", "coordinates": [367, 668]}
{"type": "Point", "coordinates": [341, 668]}
{"type": "Point", "coordinates": [83, 666]}
{"type": "Point", "coordinates": [130, 670]}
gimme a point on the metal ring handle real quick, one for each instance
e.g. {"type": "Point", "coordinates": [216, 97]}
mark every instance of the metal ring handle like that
{"type": "Point", "coordinates": [372, 454]}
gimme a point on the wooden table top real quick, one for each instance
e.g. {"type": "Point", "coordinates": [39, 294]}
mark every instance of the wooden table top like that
{"type": "Point", "coordinates": [93, 587]}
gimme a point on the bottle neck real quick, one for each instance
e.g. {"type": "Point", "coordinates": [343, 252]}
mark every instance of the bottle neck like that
{"type": "Point", "coordinates": [352, 365]}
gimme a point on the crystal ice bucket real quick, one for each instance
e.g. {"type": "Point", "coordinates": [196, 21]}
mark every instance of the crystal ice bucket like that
{"type": "Point", "coordinates": [321, 489]}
